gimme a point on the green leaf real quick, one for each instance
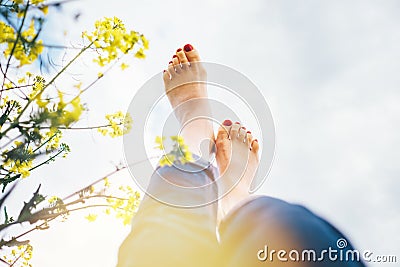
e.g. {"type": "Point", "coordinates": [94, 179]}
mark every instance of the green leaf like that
{"type": "Point", "coordinates": [13, 242]}
{"type": "Point", "coordinates": [7, 180]}
{"type": "Point", "coordinates": [5, 216]}
{"type": "Point", "coordinates": [26, 212]}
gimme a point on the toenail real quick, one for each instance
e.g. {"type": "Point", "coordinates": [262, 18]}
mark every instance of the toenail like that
{"type": "Point", "coordinates": [227, 123]}
{"type": "Point", "coordinates": [170, 62]}
{"type": "Point", "coordinates": [164, 71]}
{"type": "Point", "coordinates": [244, 128]}
{"type": "Point", "coordinates": [174, 56]}
{"type": "Point", "coordinates": [255, 140]}
{"type": "Point", "coordinates": [188, 47]}
{"type": "Point", "coordinates": [237, 122]}
{"type": "Point", "coordinates": [179, 50]}
{"type": "Point", "coordinates": [248, 132]}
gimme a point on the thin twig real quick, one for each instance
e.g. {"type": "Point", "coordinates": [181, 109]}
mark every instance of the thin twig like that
{"type": "Point", "coordinates": [16, 87]}
{"type": "Point", "coordinates": [48, 160]}
{"type": "Point", "coordinates": [3, 261]}
{"type": "Point", "coordinates": [80, 128]}
{"type": "Point", "coordinates": [14, 46]}
{"type": "Point", "coordinates": [47, 85]}
{"type": "Point", "coordinates": [118, 169]}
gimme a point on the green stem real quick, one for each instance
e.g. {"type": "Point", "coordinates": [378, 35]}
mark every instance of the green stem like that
{"type": "Point", "coordinates": [47, 161]}
{"type": "Point", "coordinates": [48, 140]}
{"type": "Point", "coordinates": [44, 88]}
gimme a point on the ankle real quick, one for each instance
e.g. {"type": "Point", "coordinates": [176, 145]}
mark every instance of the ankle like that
{"type": "Point", "coordinates": [235, 196]}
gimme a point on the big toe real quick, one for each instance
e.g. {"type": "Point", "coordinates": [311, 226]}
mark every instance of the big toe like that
{"type": "Point", "coordinates": [255, 146]}
{"type": "Point", "coordinates": [191, 53]}
{"type": "Point", "coordinates": [223, 141]}
{"type": "Point", "coordinates": [223, 131]}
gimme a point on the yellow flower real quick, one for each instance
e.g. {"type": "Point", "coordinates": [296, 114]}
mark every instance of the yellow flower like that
{"type": "Point", "coordinates": [70, 112]}
{"type": "Point", "coordinates": [91, 217]}
{"type": "Point", "coordinates": [37, 89]}
{"type": "Point", "coordinates": [124, 66]}
{"type": "Point", "coordinates": [8, 85]}
{"type": "Point", "coordinates": [178, 139]}
{"type": "Point", "coordinates": [78, 86]}
{"type": "Point", "coordinates": [127, 123]}
{"type": "Point", "coordinates": [140, 54]}
{"type": "Point", "coordinates": [111, 40]}
{"type": "Point", "coordinates": [22, 80]}
{"type": "Point", "coordinates": [53, 138]}
{"type": "Point", "coordinates": [20, 255]}
{"type": "Point", "coordinates": [167, 159]}
{"type": "Point", "coordinates": [6, 32]}
{"type": "Point", "coordinates": [118, 124]}
{"type": "Point", "coordinates": [159, 142]}
{"type": "Point", "coordinates": [36, 2]}
{"type": "Point", "coordinates": [106, 182]}
{"type": "Point", "coordinates": [19, 167]}
{"type": "Point", "coordinates": [126, 206]}
{"type": "Point", "coordinates": [44, 9]}
{"type": "Point", "coordinates": [24, 54]}
{"type": "Point", "coordinates": [179, 153]}
{"type": "Point", "coordinates": [53, 199]}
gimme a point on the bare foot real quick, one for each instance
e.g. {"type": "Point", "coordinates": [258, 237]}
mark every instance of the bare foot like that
{"type": "Point", "coordinates": [237, 159]}
{"type": "Point", "coordinates": [185, 85]}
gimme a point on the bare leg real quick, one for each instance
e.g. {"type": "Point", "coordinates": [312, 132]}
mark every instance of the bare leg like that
{"type": "Point", "coordinates": [264, 231]}
{"type": "Point", "coordinates": [166, 235]}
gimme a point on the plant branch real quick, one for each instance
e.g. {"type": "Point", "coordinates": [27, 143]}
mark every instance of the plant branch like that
{"type": "Point", "coordinates": [47, 161]}
{"type": "Point", "coordinates": [14, 46]}
{"type": "Point", "coordinates": [47, 85]}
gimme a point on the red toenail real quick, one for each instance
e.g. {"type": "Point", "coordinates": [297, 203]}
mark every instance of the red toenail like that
{"type": "Point", "coordinates": [237, 122]}
{"type": "Point", "coordinates": [164, 71]}
{"type": "Point", "coordinates": [255, 140]}
{"type": "Point", "coordinates": [179, 50]}
{"type": "Point", "coordinates": [174, 56]}
{"type": "Point", "coordinates": [248, 132]}
{"type": "Point", "coordinates": [227, 123]}
{"type": "Point", "coordinates": [188, 47]}
{"type": "Point", "coordinates": [244, 128]}
{"type": "Point", "coordinates": [170, 62]}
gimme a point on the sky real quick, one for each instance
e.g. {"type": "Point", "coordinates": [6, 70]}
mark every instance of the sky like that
{"type": "Point", "coordinates": [329, 72]}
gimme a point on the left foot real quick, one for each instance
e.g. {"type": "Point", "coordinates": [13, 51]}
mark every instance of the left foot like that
{"type": "Point", "coordinates": [237, 159]}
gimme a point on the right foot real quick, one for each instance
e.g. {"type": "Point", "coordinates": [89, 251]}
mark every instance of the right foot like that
{"type": "Point", "coordinates": [185, 85]}
{"type": "Point", "coordinates": [185, 78]}
{"type": "Point", "coordinates": [237, 159]}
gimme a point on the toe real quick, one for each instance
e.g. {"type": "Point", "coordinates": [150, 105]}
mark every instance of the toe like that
{"type": "Point", "coordinates": [166, 76]}
{"type": "Point", "coordinates": [191, 53]}
{"type": "Point", "coordinates": [175, 62]}
{"type": "Point", "coordinates": [249, 137]}
{"type": "Point", "coordinates": [171, 68]}
{"type": "Point", "coordinates": [242, 133]}
{"type": "Point", "coordinates": [182, 57]}
{"type": "Point", "coordinates": [223, 131]}
{"type": "Point", "coordinates": [234, 130]}
{"type": "Point", "coordinates": [255, 146]}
